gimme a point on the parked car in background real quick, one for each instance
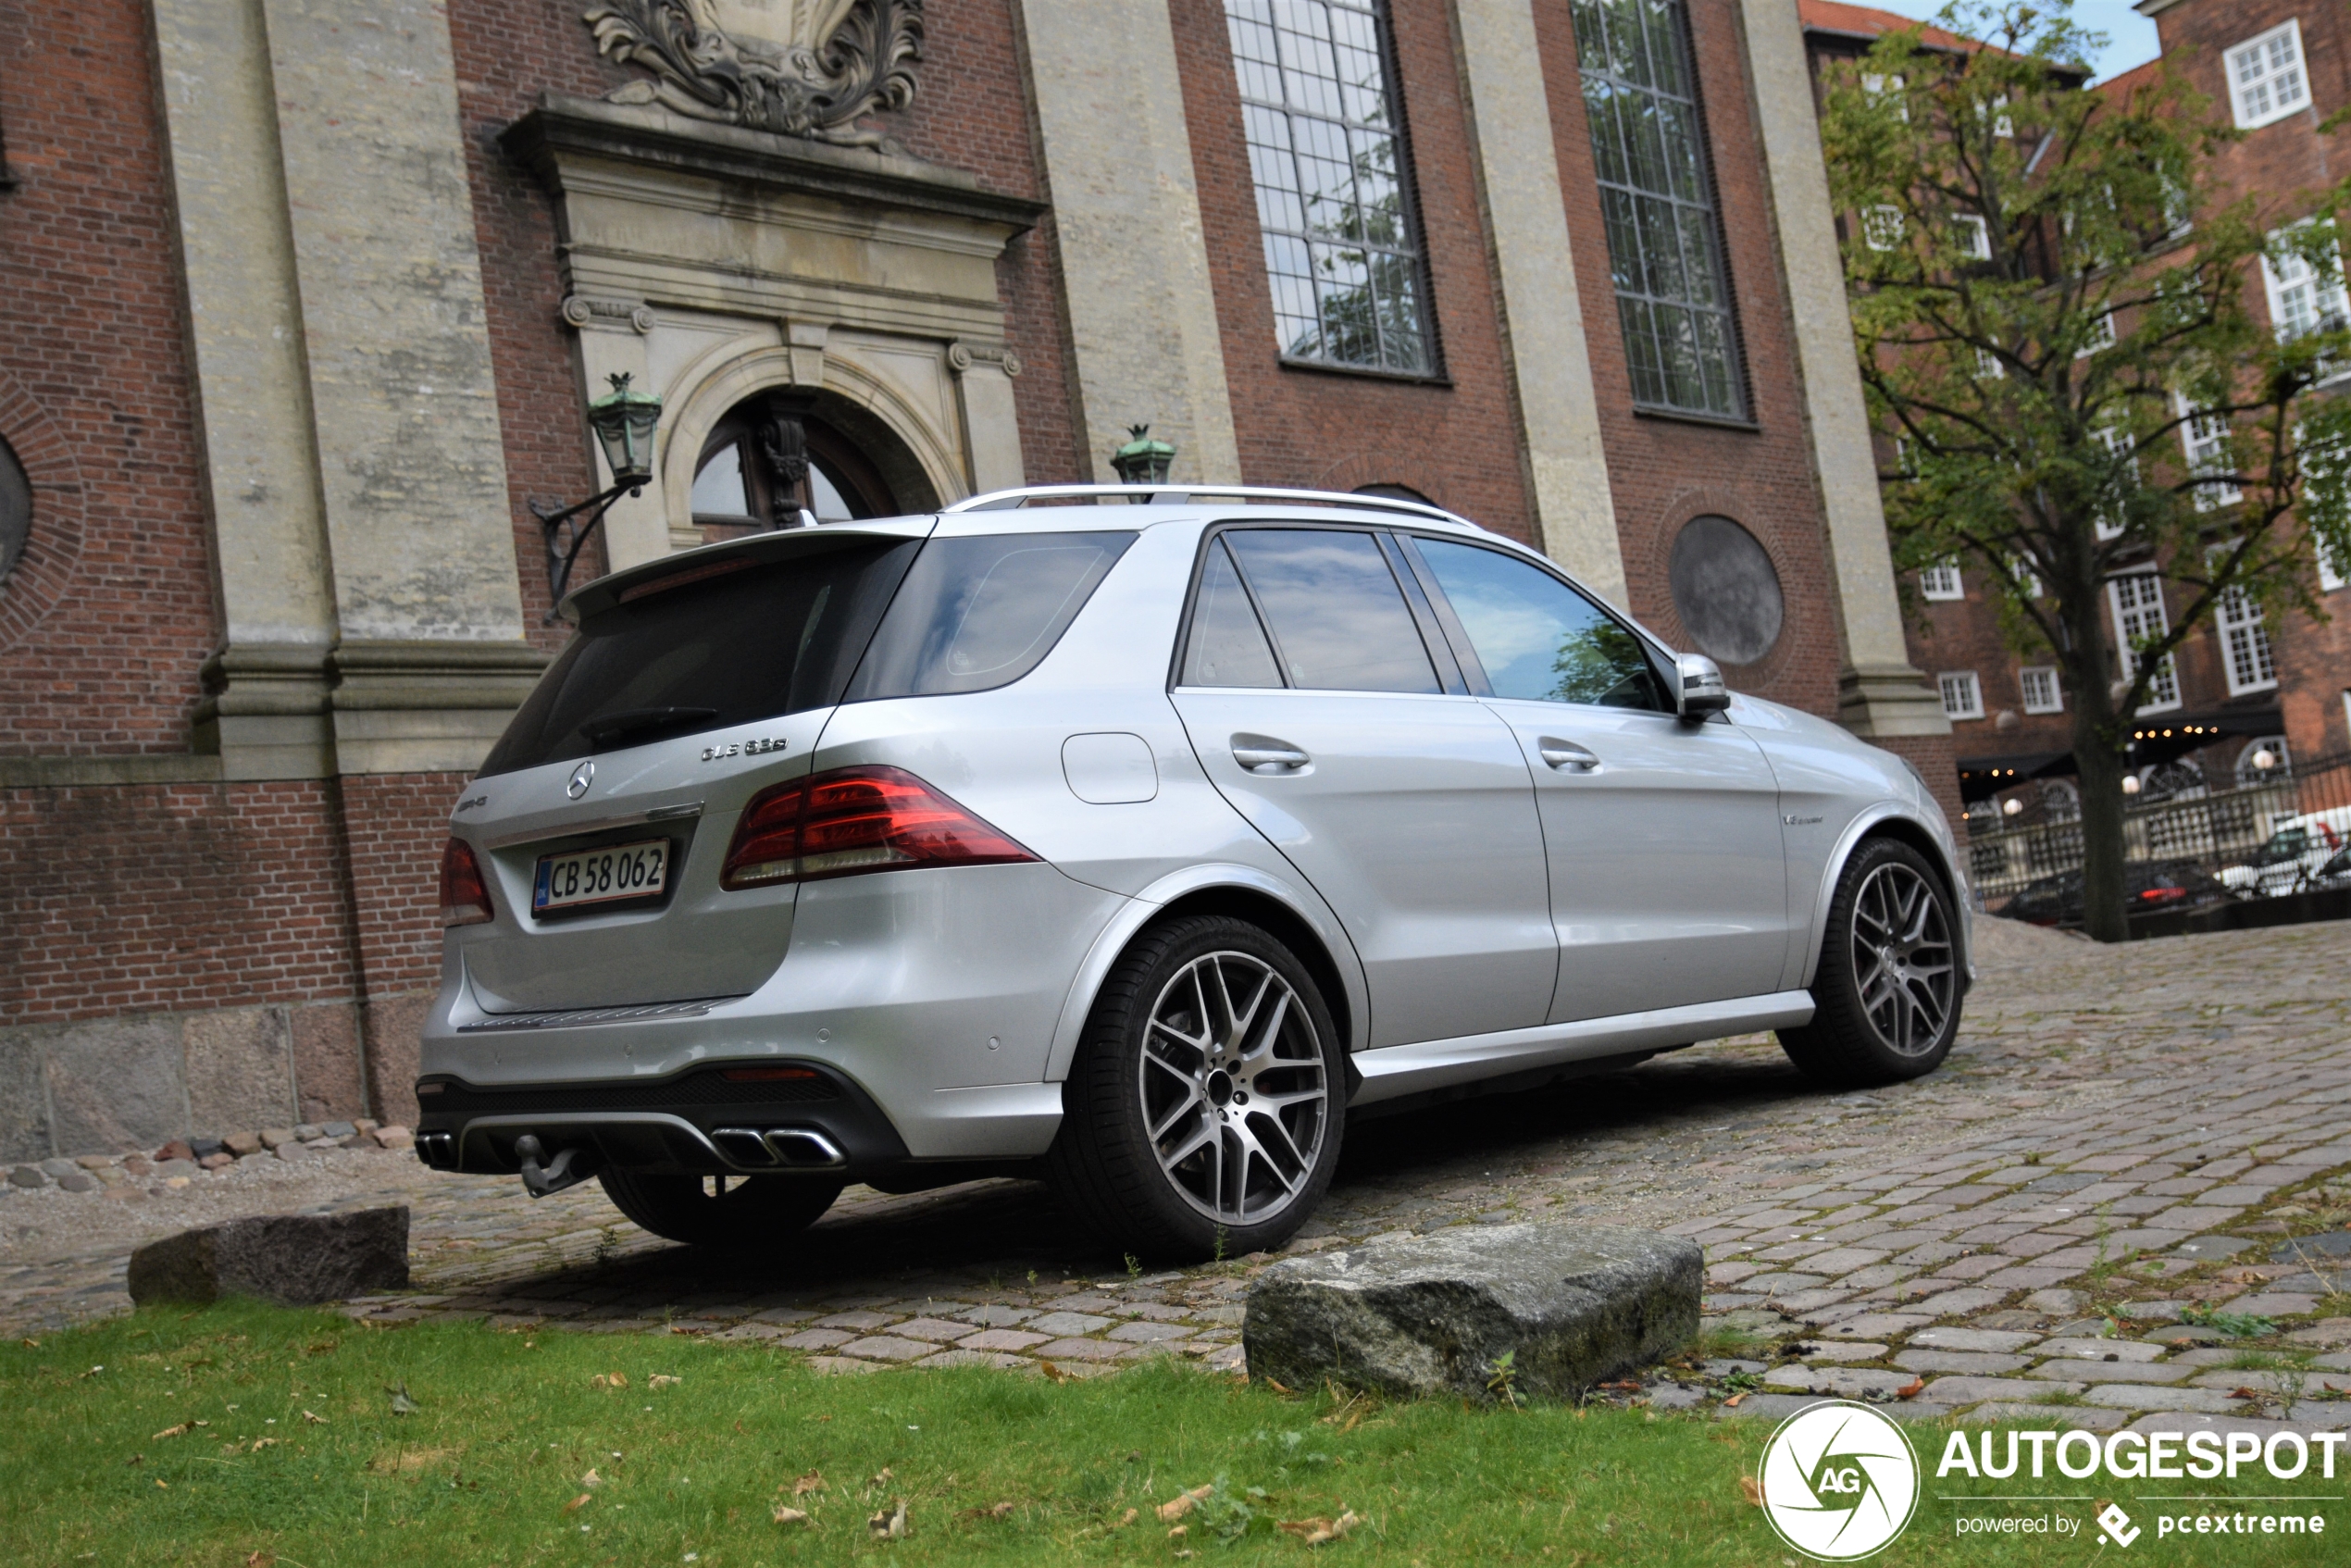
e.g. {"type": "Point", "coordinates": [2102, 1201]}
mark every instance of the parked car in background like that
{"type": "Point", "coordinates": [1137, 847]}
{"type": "Point", "coordinates": [2292, 857]}
{"type": "Point", "coordinates": [2148, 885]}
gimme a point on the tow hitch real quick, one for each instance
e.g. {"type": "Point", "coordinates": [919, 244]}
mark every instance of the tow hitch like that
{"type": "Point", "coordinates": [568, 1168]}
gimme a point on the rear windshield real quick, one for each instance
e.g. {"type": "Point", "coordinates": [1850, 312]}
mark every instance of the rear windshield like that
{"type": "Point", "coordinates": [982, 612]}
{"type": "Point", "coordinates": [747, 643]}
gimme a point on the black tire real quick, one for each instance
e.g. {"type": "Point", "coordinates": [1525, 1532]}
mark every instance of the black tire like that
{"type": "Point", "coordinates": [1887, 990]}
{"type": "Point", "coordinates": [1243, 1181]}
{"type": "Point", "coordinates": [752, 1210]}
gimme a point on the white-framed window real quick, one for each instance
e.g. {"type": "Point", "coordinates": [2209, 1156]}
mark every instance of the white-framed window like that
{"type": "Point", "coordinates": [2139, 617]}
{"type": "Point", "coordinates": [1974, 235]}
{"type": "Point", "coordinates": [1872, 84]}
{"type": "Point", "coordinates": [1882, 228]}
{"type": "Point", "coordinates": [2301, 299]}
{"type": "Point", "coordinates": [1942, 582]}
{"type": "Point", "coordinates": [2244, 640]}
{"type": "Point", "coordinates": [2205, 437]}
{"type": "Point", "coordinates": [2101, 336]}
{"type": "Point", "coordinates": [1988, 366]}
{"type": "Point", "coordinates": [2027, 581]}
{"type": "Point", "coordinates": [2266, 78]}
{"type": "Point", "coordinates": [2330, 577]}
{"type": "Point", "coordinates": [2117, 438]}
{"type": "Point", "coordinates": [2041, 693]}
{"type": "Point", "coordinates": [1962, 694]}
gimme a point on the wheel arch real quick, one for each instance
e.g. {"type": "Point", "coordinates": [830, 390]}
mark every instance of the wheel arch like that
{"type": "Point", "coordinates": [1888, 821]}
{"type": "Point", "coordinates": [1301, 921]}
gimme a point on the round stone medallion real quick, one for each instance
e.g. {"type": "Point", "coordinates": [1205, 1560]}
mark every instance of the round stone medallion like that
{"type": "Point", "coordinates": [1726, 590]}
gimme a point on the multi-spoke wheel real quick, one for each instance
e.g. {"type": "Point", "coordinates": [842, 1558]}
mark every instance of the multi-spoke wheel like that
{"type": "Point", "coordinates": [1202, 1111]}
{"type": "Point", "coordinates": [1887, 987]}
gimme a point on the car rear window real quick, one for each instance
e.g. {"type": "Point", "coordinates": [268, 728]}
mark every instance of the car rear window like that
{"type": "Point", "coordinates": [979, 613]}
{"type": "Point", "coordinates": [721, 644]}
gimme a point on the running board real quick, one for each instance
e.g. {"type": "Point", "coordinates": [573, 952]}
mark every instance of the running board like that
{"type": "Point", "coordinates": [1395, 1070]}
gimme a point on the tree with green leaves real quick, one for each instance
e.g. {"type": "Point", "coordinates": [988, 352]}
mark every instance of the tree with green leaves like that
{"type": "Point", "coordinates": [2050, 300]}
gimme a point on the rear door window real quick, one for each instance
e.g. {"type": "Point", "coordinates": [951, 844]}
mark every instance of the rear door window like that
{"type": "Point", "coordinates": [1338, 620]}
{"type": "Point", "coordinates": [1227, 645]}
{"type": "Point", "coordinates": [979, 613]}
{"type": "Point", "coordinates": [723, 644]}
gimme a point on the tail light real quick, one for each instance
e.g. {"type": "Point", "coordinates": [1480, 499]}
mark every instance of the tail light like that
{"type": "Point", "coordinates": [856, 819]}
{"type": "Point", "coordinates": [464, 897]}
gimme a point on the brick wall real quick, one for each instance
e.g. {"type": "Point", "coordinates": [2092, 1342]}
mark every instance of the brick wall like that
{"type": "Point", "coordinates": [1333, 430]}
{"type": "Point", "coordinates": [170, 897]}
{"type": "Point", "coordinates": [106, 621]}
{"type": "Point", "coordinates": [1661, 471]}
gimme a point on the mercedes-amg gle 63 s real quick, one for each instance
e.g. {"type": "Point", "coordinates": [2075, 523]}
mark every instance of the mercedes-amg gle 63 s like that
{"type": "Point", "coordinates": [1136, 841]}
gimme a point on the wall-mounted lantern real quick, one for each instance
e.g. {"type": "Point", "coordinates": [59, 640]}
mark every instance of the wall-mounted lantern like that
{"type": "Point", "coordinates": [623, 420]}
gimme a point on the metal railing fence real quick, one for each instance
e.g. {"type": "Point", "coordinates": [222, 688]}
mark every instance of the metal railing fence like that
{"type": "Point", "coordinates": [2211, 829]}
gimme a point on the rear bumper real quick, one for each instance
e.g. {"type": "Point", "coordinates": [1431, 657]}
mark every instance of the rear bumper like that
{"type": "Point", "coordinates": [928, 998]}
{"type": "Point", "coordinates": [695, 1122]}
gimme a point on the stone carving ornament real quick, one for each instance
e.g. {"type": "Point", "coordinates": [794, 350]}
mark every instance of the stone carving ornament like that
{"type": "Point", "coordinates": [839, 60]}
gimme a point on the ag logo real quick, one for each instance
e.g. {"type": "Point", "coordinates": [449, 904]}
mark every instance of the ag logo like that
{"type": "Point", "coordinates": [1839, 1481]}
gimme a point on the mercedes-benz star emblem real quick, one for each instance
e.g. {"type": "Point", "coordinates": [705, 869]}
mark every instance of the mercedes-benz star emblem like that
{"type": "Point", "coordinates": [581, 777]}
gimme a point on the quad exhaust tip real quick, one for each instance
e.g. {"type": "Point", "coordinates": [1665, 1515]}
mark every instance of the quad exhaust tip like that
{"type": "Point", "coordinates": [798, 1149]}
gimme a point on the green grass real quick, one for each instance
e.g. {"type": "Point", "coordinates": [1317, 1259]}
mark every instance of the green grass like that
{"type": "Point", "coordinates": [507, 1427]}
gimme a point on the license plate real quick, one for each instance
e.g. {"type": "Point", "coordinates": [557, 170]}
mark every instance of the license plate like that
{"type": "Point", "coordinates": [600, 876]}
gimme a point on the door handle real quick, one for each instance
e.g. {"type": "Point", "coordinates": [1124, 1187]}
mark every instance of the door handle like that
{"type": "Point", "coordinates": [1567, 756]}
{"type": "Point", "coordinates": [1263, 753]}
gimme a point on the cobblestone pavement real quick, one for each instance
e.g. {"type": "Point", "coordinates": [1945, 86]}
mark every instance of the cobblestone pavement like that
{"type": "Point", "coordinates": [2115, 1198]}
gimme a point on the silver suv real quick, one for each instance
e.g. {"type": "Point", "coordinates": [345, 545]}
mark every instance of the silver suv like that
{"type": "Point", "coordinates": [1138, 840]}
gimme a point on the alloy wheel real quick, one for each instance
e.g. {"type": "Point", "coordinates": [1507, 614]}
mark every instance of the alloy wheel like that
{"type": "Point", "coordinates": [1235, 1097]}
{"type": "Point", "coordinates": [1902, 959]}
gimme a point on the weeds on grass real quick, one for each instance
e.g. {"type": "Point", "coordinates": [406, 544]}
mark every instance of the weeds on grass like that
{"type": "Point", "coordinates": [2241, 1325]}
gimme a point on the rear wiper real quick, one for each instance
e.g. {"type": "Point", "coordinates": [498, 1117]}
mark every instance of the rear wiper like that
{"type": "Point", "coordinates": [606, 728]}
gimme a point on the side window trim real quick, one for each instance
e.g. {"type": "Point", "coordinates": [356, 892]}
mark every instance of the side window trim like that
{"type": "Point", "coordinates": [1464, 654]}
{"type": "Point", "coordinates": [1449, 672]}
{"type": "Point", "coordinates": [1661, 666]}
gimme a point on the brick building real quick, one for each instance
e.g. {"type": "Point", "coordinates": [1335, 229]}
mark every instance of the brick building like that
{"type": "Point", "coordinates": [301, 308]}
{"type": "Point", "coordinates": [2275, 69]}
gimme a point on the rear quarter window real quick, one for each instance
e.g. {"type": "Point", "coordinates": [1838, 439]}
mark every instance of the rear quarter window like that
{"type": "Point", "coordinates": [979, 613]}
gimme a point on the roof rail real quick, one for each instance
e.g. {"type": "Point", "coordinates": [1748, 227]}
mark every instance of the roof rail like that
{"type": "Point", "coordinates": [1009, 500]}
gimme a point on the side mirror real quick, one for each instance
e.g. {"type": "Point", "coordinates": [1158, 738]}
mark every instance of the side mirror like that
{"type": "Point", "coordinates": [1701, 689]}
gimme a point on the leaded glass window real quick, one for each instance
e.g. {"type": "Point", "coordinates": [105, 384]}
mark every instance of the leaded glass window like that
{"type": "Point", "coordinates": [1342, 248]}
{"type": "Point", "coordinates": [1665, 249]}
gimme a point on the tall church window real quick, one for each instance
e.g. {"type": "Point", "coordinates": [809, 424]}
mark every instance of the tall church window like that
{"type": "Point", "coordinates": [1334, 198]}
{"type": "Point", "coordinates": [16, 509]}
{"type": "Point", "coordinates": [1664, 244]}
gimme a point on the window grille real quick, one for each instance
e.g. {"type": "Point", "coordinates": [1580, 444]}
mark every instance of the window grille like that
{"type": "Point", "coordinates": [2244, 640]}
{"type": "Point", "coordinates": [2041, 693]}
{"type": "Point", "coordinates": [1327, 152]}
{"type": "Point", "coordinates": [2206, 439]}
{"type": "Point", "coordinates": [2266, 81]}
{"type": "Point", "coordinates": [1664, 244]}
{"type": "Point", "coordinates": [2139, 617]}
{"type": "Point", "coordinates": [1962, 694]}
{"type": "Point", "coordinates": [1942, 582]}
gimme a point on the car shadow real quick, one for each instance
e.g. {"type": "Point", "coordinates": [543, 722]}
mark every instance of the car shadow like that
{"type": "Point", "coordinates": [976, 1236]}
